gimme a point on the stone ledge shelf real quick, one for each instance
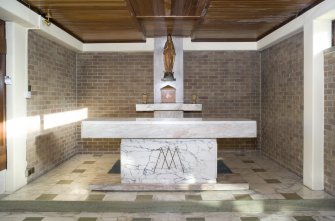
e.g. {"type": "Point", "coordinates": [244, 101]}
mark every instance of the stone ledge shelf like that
{"type": "Point", "coordinates": [168, 107]}
{"type": "Point", "coordinates": [170, 128]}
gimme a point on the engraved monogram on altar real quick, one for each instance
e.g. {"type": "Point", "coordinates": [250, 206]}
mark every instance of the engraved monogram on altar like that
{"type": "Point", "coordinates": [169, 158]}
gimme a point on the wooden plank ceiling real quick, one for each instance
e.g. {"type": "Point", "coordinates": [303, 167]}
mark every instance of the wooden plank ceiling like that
{"type": "Point", "coordinates": [202, 20]}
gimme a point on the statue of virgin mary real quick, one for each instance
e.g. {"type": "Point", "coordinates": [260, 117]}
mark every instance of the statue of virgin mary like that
{"type": "Point", "coordinates": [169, 56]}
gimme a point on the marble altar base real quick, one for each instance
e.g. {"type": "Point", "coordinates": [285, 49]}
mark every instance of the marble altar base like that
{"type": "Point", "coordinates": [168, 161]}
{"type": "Point", "coordinates": [107, 182]}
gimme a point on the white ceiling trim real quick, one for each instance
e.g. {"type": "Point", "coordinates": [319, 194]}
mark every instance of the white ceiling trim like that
{"type": "Point", "coordinates": [126, 47]}
{"type": "Point", "coordinates": [218, 46]}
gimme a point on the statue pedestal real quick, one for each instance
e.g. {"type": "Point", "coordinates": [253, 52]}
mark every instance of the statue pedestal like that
{"type": "Point", "coordinates": [168, 76]}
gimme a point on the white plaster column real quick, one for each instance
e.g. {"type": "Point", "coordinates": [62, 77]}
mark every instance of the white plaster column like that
{"type": "Point", "coordinates": [16, 65]}
{"type": "Point", "coordinates": [317, 37]}
{"type": "Point", "coordinates": [178, 69]}
{"type": "Point", "coordinates": [2, 181]}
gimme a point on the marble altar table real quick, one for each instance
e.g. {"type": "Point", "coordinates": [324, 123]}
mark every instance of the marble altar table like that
{"type": "Point", "coordinates": [168, 150]}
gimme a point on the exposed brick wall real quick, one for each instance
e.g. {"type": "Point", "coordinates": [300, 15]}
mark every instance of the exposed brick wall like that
{"type": "Point", "coordinates": [282, 102]}
{"type": "Point", "coordinates": [227, 83]}
{"type": "Point", "coordinates": [329, 147]}
{"type": "Point", "coordinates": [109, 85]}
{"type": "Point", "coordinates": [52, 75]}
{"type": "Point", "coordinates": [120, 79]}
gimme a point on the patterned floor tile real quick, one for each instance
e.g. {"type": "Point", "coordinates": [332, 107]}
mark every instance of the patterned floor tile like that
{"type": "Point", "coordinates": [248, 161]}
{"type": "Point", "coordinates": [78, 171]}
{"type": "Point", "coordinates": [141, 219]}
{"type": "Point", "coordinates": [193, 197]}
{"type": "Point", "coordinates": [242, 196]}
{"type": "Point", "coordinates": [217, 195]}
{"type": "Point", "coordinates": [272, 181]}
{"type": "Point", "coordinates": [195, 219]}
{"type": "Point", "coordinates": [304, 218]}
{"type": "Point", "coordinates": [65, 182]}
{"type": "Point", "coordinates": [120, 196]}
{"type": "Point", "coordinates": [144, 197]}
{"type": "Point", "coordinates": [95, 197]}
{"type": "Point", "coordinates": [250, 219]}
{"type": "Point", "coordinates": [306, 193]}
{"type": "Point", "coordinates": [258, 170]}
{"type": "Point", "coordinates": [291, 196]}
{"type": "Point", "coordinates": [275, 196]}
{"type": "Point", "coordinates": [33, 218]}
{"type": "Point", "coordinates": [81, 177]}
{"type": "Point", "coordinates": [3, 196]}
{"type": "Point", "coordinates": [46, 197]}
{"type": "Point", "coordinates": [71, 197]}
{"type": "Point", "coordinates": [168, 196]}
{"type": "Point", "coordinates": [87, 219]}
{"type": "Point", "coordinates": [123, 218]}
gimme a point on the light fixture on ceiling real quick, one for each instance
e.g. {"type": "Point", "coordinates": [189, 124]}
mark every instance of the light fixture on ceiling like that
{"type": "Point", "coordinates": [47, 18]}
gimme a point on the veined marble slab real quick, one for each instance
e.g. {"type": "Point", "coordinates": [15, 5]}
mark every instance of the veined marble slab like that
{"type": "Point", "coordinates": [169, 107]}
{"type": "Point", "coordinates": [168, 114]}
{"type": "Point", "coordinates": [168, 161]}
{"type": "Point", "coordinates": [168, 128]}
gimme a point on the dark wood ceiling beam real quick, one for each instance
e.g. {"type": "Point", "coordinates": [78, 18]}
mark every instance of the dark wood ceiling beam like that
{"type": "Point", "coordinates": [224, 39]}
{"type": "Point", "coordinates": [168, 7]}
{"type": "Point", "coordinates": [163, 16]}
{"type": "Point", "coordinates": [201, 19]}
{"type": "Point", "coordinates": [135, 20]}
{"type": "Point", "coordinates": [115, 41]}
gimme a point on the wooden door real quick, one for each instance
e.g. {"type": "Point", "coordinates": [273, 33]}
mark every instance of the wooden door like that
{"type": "Point", "coordinates": [3, 151]}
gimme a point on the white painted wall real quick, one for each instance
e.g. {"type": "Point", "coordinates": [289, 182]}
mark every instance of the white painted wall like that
{"type": "Point", "coordinates": [2, 181]}
{"type": "Point", "coordinates": [16, 67]}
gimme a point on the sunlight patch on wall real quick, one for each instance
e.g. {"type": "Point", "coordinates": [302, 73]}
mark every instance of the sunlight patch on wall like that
{"type": "Point", "coordinates": [19, 126]}
{"type": "Point", "coordinates": [64, 118]}
{"type": "Point", "coordinates": [33, 123]}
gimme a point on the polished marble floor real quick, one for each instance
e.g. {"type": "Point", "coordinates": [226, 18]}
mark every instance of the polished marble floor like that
{"type": "Point", "coordinates": [70, 182]}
